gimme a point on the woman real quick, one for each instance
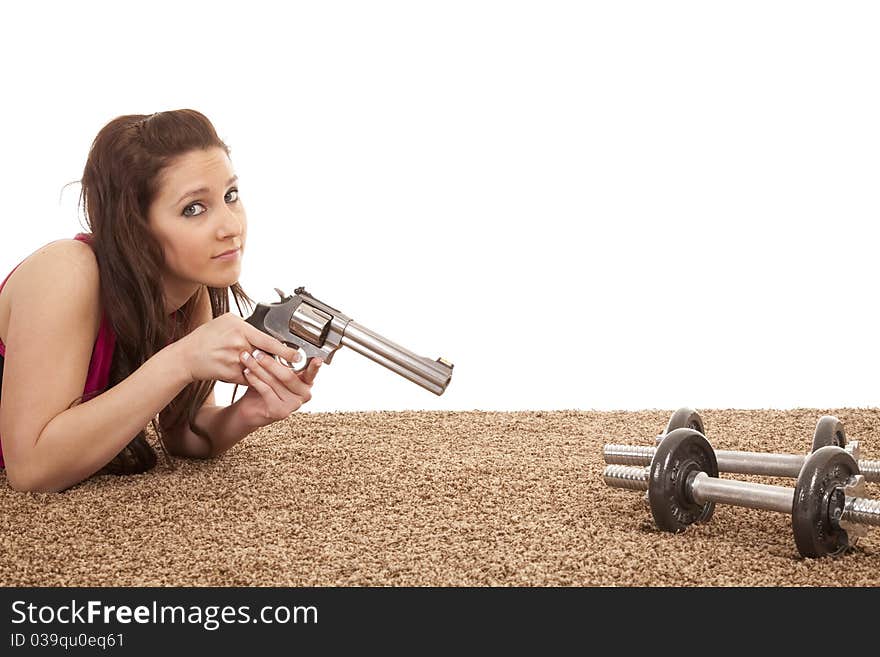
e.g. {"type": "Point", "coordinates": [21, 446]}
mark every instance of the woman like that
{"type": "Point", "coordinates": [131, 321]}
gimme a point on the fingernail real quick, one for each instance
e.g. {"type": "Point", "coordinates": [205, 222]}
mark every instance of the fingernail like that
{"type": "Point", "coordinates": [296, 357]}
{"type": "Point", "coordinates": [258, 354]}
{"type": "Point", "coordinates": [245, 355]}
{"type": "Point", "coordinates": [246, 371]}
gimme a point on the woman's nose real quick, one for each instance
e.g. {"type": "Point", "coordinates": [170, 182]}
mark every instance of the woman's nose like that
{"type": "Point", "coordinates": [230, 223]}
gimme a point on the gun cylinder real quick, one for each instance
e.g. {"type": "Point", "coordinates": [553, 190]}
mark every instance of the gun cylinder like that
{"type": "Point", "coordinates": [310, 323]}
{"type": "Point", "coordinates": [431, 375]}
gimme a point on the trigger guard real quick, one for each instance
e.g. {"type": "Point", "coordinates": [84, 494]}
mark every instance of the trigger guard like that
{"type": "Point", "coordinates": [296, 367]}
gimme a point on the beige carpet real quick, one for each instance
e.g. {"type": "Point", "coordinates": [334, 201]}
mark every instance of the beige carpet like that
{"type": "Point", "coordinates": [421, 498]}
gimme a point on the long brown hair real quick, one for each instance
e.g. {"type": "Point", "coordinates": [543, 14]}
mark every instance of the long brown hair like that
{"type": "Point", "coordinates": [120, 181]}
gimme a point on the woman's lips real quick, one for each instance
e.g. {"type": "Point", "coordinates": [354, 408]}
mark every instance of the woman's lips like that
{"type": "Point", "coordinates": [229, 255]}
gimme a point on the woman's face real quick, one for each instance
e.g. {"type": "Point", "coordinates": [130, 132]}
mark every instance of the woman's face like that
{"type": "Point", "coordinates": [196, 216]}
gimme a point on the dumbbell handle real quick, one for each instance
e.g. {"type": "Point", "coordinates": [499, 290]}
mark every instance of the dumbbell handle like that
{"type": "Point", "coordinates": [703, 488]}
{"type": "Point", "coordinates": [754, 463]}
{"type": "Point", "coordinates": [741, 493]}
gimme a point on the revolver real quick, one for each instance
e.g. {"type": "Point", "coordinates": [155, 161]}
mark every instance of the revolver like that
{"type": "Point", "coordinates": [318, 331]}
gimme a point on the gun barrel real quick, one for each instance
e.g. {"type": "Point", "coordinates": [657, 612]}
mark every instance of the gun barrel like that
{"type": "Point", "coordinates": [431, 375]}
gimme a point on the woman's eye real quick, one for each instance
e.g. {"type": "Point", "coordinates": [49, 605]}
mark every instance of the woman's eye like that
{"type": "Point", "coordinates": [234, 192]}
{"type": "Point", "coordinates": [187, 213]}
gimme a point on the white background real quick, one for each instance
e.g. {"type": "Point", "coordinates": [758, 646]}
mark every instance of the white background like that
{"type": "Point", "coordinates": [613, 205]}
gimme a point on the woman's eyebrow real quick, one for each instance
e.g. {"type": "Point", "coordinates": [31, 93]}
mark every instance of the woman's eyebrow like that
{"type": "Point", "coordinates": [203, 190]}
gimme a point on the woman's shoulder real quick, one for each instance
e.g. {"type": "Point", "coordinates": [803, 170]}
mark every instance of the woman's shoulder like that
{"type": "Point", "coordinates": [62, 258]}
{"type": "Point", "coordinates": [61, 264]}
{"type": "Point", "coordinates": [65, 269]}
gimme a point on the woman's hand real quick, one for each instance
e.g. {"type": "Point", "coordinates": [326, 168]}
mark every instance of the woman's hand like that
{"type": "Point", "coordinates": [213, 350]}
{"type": "Point", "coordinates": [274, 390]}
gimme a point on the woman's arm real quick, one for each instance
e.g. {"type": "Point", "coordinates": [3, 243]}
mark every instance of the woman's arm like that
{"type": "Point", "coordinates": [273, 392]}
{"type": "Point", "coordinates": [223, 423]}
{"type": "Point", "coordinates": [80, 441]}
{"type": "Point", "coordinates": [54, 320]}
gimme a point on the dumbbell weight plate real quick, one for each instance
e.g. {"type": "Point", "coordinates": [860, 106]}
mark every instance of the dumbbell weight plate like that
{"type": "Point", "coordinates": [818, 494]}
{"type": "Point", "coordinates": [829, 431]}
{"type": "Point", "coordinates": [685, 418]}
{"type": "Point", "coordinates": [682, 452]}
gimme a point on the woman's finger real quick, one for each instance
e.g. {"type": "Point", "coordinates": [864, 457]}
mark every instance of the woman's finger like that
{"type": "Point", "coordinates": [258, 372]}
{"type": "Point", "coordinates": [292, 383]}
{"type": "Point", "coordinates": [266, 343]}
{"type": "Point", "coordinates": [307, 376]}
{"type": "Point", "coordinates": [279, 400]}
{"type": "Point", "coordinates": [265, 390]}
{"type": "Point", "coordinates": [281, 379]}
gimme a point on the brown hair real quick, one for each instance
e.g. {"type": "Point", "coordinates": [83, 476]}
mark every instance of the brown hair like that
{"type": "Point", "coordinates": [120, 181]}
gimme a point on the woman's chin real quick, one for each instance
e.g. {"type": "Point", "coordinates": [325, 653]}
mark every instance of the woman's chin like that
{"type": "Point", "coordinates": [226, 280]}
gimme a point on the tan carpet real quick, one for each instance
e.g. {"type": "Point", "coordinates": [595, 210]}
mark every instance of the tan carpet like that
{"type": "Point", "coordinates": [421, 498]}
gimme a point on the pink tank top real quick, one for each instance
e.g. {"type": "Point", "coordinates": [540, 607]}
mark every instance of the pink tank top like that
{"type": "Point", "coordinates": [102, 353]}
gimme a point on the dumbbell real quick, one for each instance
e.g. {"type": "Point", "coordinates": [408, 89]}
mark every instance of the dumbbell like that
{"type": "Point", "coordinates": [684, 418]}
{"type": "Point", "coordinates": [829, 431]}
{"type": "Point", "coordinates": [828, 508]}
